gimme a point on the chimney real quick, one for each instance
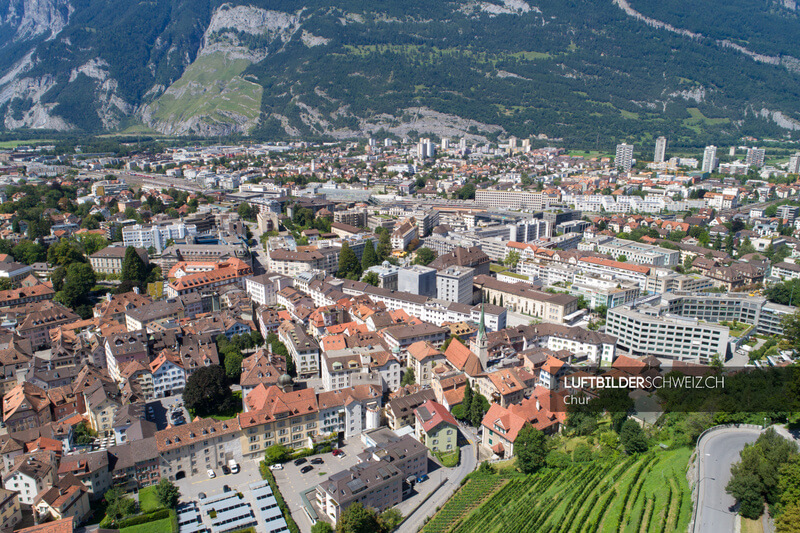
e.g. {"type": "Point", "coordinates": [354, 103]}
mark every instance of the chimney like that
{"type": "Point", "coordinates": [538, 405]}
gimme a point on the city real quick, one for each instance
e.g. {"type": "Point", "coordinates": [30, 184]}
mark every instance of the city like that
{"type": "Point", "coordinates": [411, 334]}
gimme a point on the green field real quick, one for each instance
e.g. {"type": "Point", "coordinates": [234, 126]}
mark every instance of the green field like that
{"type": "Point", "coordinates": [213, 88]}
{"type": "Point", "coordinates": [638, 494]}
{"type": "Point", "coordinates": [29, 142]}
{"type": "Point", "coordinates": [148, 500]}
{"type": "Point", "coordinates": [698, 119]}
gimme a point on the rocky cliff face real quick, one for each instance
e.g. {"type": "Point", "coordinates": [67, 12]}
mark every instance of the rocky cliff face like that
{"type": "Point", "coordinates": [27, 19]}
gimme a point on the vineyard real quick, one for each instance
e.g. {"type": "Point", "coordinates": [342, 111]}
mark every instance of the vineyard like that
{"type": "Point", "coordinates": [641, 494]}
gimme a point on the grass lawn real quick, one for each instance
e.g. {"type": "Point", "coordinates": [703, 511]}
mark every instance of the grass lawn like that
{"type": "Point", "coordinates": [148, 500]}
{"type": "Point", "coordinates": [494, 267]}
{"type": "Point", "coordinates": [645, 493]}
{"type": "Point", "coordinates": [450, 459]}
{"type": "Point", "coordinates": [237, 395]}
{"type": "Point", "coordinates": [159, 526]}
{"type": "Point", "coordinates": [752, 526]}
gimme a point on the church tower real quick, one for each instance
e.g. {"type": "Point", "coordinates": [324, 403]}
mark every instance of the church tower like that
{"type": "Point", "coordinates": [480, 343]}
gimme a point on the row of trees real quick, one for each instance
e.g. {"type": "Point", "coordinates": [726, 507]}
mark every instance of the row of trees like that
{"type": "Point", "coordinates": [472, 408]}
{"type": "Point", "coordinates": [230, 351]}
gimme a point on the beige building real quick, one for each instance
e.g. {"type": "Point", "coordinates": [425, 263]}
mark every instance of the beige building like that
{"type": "Point", "coordinates": [193, 448]}
{"type": "Point", "coordinates": [283, 417]}
{"type": "Point", "coordinates": [522, 298]}
{"type": "Point", "coordinates": [422, 357]}
{"type": "Point", "coordinates": [10, 510]}
{"type": "Point", "coordinates": [109, 260]}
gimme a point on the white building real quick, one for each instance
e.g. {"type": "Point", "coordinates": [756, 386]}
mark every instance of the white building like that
{"type": "Point", "coordinates": [454, 284]}
{"type": "Point", "coordinates": [624, 157]}
{"type": "Point", "coordinates": [755, 157]}
{"type": "Point", "coordinates": [710, 159]}
{"type": "Point", "coordinates": [661, 150]}
{"type": "Point", "coordinates": [141, 236]}
{"type": "Point", "coordinates": [169, 378]}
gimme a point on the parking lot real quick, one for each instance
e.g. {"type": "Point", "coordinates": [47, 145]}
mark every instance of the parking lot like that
{"type": "Point", "coordinates": [162, 409]}
{"type": "Point", "coordinates": [191, 487]}
{"type": "Point", "coordinates": [292, 483]}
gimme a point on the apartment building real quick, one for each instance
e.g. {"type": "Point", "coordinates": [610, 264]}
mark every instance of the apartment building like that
{"type": "Point", "coordinates": [757, 311]}
{"type": "Point", "coordinates": [203, 444]}
{"type": "Point", "coordinates": [401, 336]}
{"type": "Point", "coordinates": [10, 510]}
{"type": "Point", "coordinates": [454, 284]}
{"type": "Point", "coordinates": [263, 289]}
{"type": "Point", "coordinates": [284, 417]}
{"type": "Point", "coordinates": [417, 279]}
{"type": "Point", "coordinates": [143, 236]}
{"type": "Point", "coordinates": [350, 411]}
{"type": "Point", "coordinates": [31, 475]}
{"type": "Point", "coordinates": [232, 271]}
{"type": "Point", "coordinates": [290, 263]}
{"type": "Point", "coordinates": [303, 348]}
{"type": "Point", "coordinates": [142, 316]}
{"type": "Point", "coordinates": [636, 252]}
{"type": "Point", "coordinates": [532, 201]}
{"type": "Point", "coordinates": [668, 336]}
{"type": "Point", "coordinates": [422, 357]}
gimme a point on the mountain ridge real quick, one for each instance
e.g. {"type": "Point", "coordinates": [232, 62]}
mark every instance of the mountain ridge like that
{"type": "Point", "coordinates": [571, 69]}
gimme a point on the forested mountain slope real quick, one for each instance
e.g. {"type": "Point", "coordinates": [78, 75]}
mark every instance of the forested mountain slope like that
{"type": "Point", "coordinates": [581, 70]}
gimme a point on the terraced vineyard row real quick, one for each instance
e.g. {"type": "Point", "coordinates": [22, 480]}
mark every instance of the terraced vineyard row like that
{"type": "Point", "coordinates": [642, 494]}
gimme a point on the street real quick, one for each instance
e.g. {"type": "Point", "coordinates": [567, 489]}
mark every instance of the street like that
{"type": "Point", "coordinates": [452, 480]}
{"type": "Point", "coordinates": [716, 453]}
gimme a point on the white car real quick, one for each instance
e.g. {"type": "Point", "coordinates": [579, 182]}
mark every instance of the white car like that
{"type": "Point", "coordinates": [276, 466]}
{"type": "Point", "coordinates": [211, 473]}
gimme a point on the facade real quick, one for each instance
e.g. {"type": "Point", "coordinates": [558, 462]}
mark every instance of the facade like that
{"type": "Point", "coordinates": [624, 157]}
{"type": "Point", "coordinates": [524, 200]}
{"type": "Point", "coordinates": [232, 271]}
{"type": "Point", "coordinates": [661, 150]}
{"type": "Point", "coordinates": [203, 444]}
{"type": "Point", "coordinates": [454, 284]}
{"type": "Point", "coordinates": [109, 260]}
{"type": "Point", "coordinates": [417, 279]}
{"type": "Point", "coordinates": [520, 297]}
{"type": "Point", "coordinates": [350, 411]}
{"type": "Point", "coordinates": [141, 236]}
{"type": "Point", "coordinates": [710, 160]}
{"type": "Point", "coordinates": [10, 510]}
{"type": "Point", "coordinates": [637, 252]}
{"type": "Point", "coordinates": [671, 337]}
{"type": "Point", "coordinates": [30, 476]}
{"type": "Point", "coordinates": [755, 157]}
{"type": "Point", "coordinates": [290, 263]}
{"type": "Point", "coordinates": [422, 357]}
{"type": "Point", "coordinates": [263, 289]}
{"type": "Point", "coordinates": [169, 377]}
{"type": "Point", "coordinates": [303, 348]}
{"type": "Point", "coordinates": [435, 427]}
{"type": "Point", "coordinates": [286, 417]}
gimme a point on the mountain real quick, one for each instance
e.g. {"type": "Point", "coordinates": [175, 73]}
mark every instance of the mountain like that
{"type": "Point", "coordinates": [582, 70]}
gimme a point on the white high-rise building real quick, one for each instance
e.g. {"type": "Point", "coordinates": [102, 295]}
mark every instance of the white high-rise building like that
{"type": "Point", "coordinates": [710, 159]}
{"type": "Point", "coordinates": [661, 149]}
{"type": "Point", "coordinates": [445, 144]}
{"type": "Point", "coordinates": [425, 149]}
{"type": "Point", "coordinates": [755, 157]}
{"type": "Point", "coordinates": [794, 164]}
{"type": "Point", "coordinates": [732, 151]}
{"type": "Point", "coordinates": [462, 144]}
{"type": "Point", "coordinates": [387, 143]}
{"type": "Point", "coordinates": [624, 158]}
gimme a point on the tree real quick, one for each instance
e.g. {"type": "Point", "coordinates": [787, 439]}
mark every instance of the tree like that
{"type": "Point", "coordinates": [233, 364]}
{"type": "Point", "coordinates": [408, 377]}
{"type": "Point", "coordinates": [530, 448]}
{"type": "Point", "coordinates": [384, 244]}
{"type": "Point", "coordinates": [789, 519]}
{"type": "Point", "coordinates": [84, 434]}
{"type": "Point", "coordinates": [369, 257]}
{"type": "Point", "coordinates": [65, 252]}
{"type": "Point", "coordinates": [348, 262]}
{"type": "Point", "coordinates": [358, 519]}
{"type": "Point", "coordinates": [277, 453]}
{"type": "Point", "coordinates": [632, 437]}
{"type": "Point", "coordinates": [29, 252]}
{"type": "Point", "coordinates": [118, 505]}
{"type": "Point", "coordinates": [206, 391]}
{"type": "Point", "coordinates": [321, 527]}
{"type": "Point", "coordinates": [133, 268]}
{"type": "Point", "coordinates": [93, 243]}
{"type": "Point", "coordinates": [622, 258]}
{"type": "Point", "coordinates": [167, 493]}
{"type": "Point", "coordinates": [425, 256]}
{"type": "Point", "coordinates": [512, 258]}
{"type": "Point", "coordinates": [390, 519]}
{"type": "Point", "coordinates": [244, 211]}
{"type": "Point", "coordinates": [79, 279]}
{"type": "Point", "coordinates": [477, 409]}
{"type": "Point", "coordinates": [372, 278]}
{"type": "Point", "coordinates": [459, 411]}
{"type": "Point", "coordinates": [755, 479]}
{"type": "Point", "coordinates": [467, 402]}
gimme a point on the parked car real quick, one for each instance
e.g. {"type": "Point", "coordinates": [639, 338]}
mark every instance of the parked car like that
{"type": "Point", "coordinates": [338, 453]}
{"type": "Point", "coordinates": [317, 461]}
{"type": "Point", "coordinates": [201, 495]}
{"type": "Point", "coordinates": [226, 488]}
{"type": "Point", "coordinates": [307, 468]}
{"type": "Point", "coordinates": [276, 466]}
{"type": "Point", "coordinates": [225, 470]}
{"type": "Point", "coordinates": [423, 477]}
{"type": "Point", "coordinates": [211, 473]}
{"type": "Point", "coordinates": [298, 462]}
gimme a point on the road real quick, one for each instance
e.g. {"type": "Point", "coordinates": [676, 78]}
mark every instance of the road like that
{"type": "Point", "coordinates": [453, 480]}
{"type": "Point", "coordinates": [716, 453]}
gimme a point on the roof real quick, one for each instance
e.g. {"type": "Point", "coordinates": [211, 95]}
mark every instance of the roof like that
{"type": "Point", "coordinates": [279, 404]}
{"type": "Point", "coordinates": [23, 397]}
{"type": "Point", "coordinates": [431, 414]}
{"type": "Point", "coordinates": [65, 525]}
{"type": "Point", "coordinates": [199, 429]}
{"type": "Point", "coordinates": [462, 358]}
{"type": "Point", "coordinates": [405, 405]}
{"type": "Point", "coordinates": [421, 350]}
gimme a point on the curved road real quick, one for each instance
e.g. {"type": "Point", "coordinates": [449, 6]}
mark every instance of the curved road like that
{"type": "Point", "coordinates": [716, 453]}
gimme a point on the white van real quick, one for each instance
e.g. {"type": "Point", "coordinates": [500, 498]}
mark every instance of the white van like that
{"type": "Point", "coordinates": [233, 466]}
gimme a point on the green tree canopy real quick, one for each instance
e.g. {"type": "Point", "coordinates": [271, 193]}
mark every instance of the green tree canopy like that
{"type": "Point", "coordinates": [372, 278]}
{"type": "Point", "coordinates": [370, 257]}
{"type": "Point", "coordinates": [206, 391]}
{"type": "Point", "coordinates": [133, 268]}
{"type": "Point", "coordinates": [167, 493]}
{"type": "Point", "coordinates": [632, 437]}
{"type": "Point", "coordinates": [425, 256]}
{"type": "Point", "coordinates": [277, 453]}
{"type": "Point", "coordinates": [358, 519]}
{"type": "Point", "coordinates": [530, 449]}
{"type": "Point", "coordinates": [349, 265]}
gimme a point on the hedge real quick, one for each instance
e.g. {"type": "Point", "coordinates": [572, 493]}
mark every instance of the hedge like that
{"type": "Point", "coordinates": [143, 519]}
{"type": "Point", "coordinates": [267, 474]}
